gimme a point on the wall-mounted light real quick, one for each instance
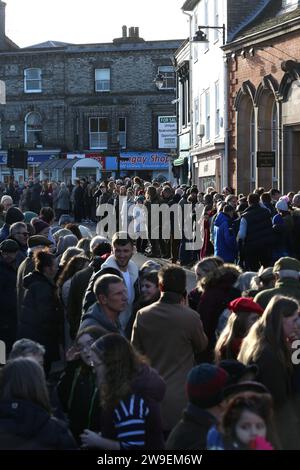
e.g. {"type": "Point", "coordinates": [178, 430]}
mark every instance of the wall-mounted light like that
{"type": "Point", "coordinates": [251, 51]}
{"type": "Point", "coordinates": [243, 53]}
{"type": "Point", "coordinates": [233, 56]}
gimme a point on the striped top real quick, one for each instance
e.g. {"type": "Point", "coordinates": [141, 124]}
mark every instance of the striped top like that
{"type": "Point", "coordinates": [130, 422]}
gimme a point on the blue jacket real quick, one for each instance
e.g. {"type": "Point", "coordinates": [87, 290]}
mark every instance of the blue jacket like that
{"type": "Point", "coordinates": [225, 244]}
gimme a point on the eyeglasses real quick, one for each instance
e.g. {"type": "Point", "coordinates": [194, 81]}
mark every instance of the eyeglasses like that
{"type": "Point", "coordinates": [26, 234]}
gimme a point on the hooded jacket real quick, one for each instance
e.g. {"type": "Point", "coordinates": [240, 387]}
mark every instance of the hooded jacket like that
{"type": "Point", "coordinates": [225, 244]}
{"type": "Point", "coordinates": [27, 426]}
{"type": "Point", "coordinates": [133, 270]}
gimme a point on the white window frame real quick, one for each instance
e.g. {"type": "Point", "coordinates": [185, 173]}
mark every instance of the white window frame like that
{"type": "Point", "coordinates": [122, 134]}
{"type": "Point", "coordinates": [216, 20]}
{"type": "Point", "coordinates": [207, 115]}
{"type": "Point", "coordinates": [168, 73]}
{"type": "Point", "coordinates": [32, 132]}
{"type": "Point", "coordinates": [98, 139]}
{"type": "Point", "coordinates": [217, 108]}
{"type": "Point", "coordinates": [37, 80]}
{"type": "Point", "coordinates": [206, 22]}
{"type": "Point", "coordinates": [102, 84]}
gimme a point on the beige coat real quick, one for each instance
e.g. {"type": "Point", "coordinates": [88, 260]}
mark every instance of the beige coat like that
{"type": "Point", "coordinates": [170, 334]}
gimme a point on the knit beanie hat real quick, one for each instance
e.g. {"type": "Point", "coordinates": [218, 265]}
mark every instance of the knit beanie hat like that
{"type": "Point", "coordinates": [28, 216]}
{"type": "Point", "coordinates": [14, 215]}
{"type": "Point", "coordinates": [205, 384]}
{"type": "Point", "coordinates": [38, 225]}
{"type": "Point", "coordinates": [245, 304]}
{"type": "Point", "coordinates": [238, 371]}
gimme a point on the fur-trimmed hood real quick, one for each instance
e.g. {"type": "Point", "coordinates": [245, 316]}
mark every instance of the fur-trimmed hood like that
{"type": "Point", "coordinates": [225, 275]}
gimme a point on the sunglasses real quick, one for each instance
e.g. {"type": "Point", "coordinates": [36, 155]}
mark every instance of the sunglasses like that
{"type": "Point", "coordinates": [22, 233]}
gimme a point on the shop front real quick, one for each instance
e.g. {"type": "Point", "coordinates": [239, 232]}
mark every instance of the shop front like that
{"type": "Point", "coordinates": [146, 165]}
{"type": "Point", "coordinates": [34, 160]}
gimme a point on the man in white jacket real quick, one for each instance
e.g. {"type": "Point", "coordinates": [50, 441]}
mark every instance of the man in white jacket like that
{"type": "Point", "coordinates": [122, 252]}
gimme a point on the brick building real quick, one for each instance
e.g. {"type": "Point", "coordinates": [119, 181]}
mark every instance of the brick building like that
{"type": "Point", "coordinates": [264, 98]}
{"type": "Point", "coordinates": [83, 99]}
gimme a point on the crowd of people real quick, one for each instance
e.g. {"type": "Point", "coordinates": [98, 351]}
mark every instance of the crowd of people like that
{"type": "Point", "coordinates": [105, 354]}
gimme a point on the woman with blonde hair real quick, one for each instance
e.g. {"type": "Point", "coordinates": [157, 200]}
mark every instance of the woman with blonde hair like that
{"type": "Point", "coordinates": [244, 313]}
{"type": "Point", "coordinates": [268, 345]}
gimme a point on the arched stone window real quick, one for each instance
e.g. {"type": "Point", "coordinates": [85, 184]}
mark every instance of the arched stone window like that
{"type": "Point", "coordinates": [245, 138]}
{"type": "Point", "coordinates": [33, 129]}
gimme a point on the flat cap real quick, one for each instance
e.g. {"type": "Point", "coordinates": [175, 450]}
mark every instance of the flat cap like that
{"type": "Point", "coordinates": [9, 246]}
{"type": "Point", "coordinates": [38, 240]}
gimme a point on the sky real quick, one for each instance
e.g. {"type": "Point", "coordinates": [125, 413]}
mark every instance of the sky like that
{"type": "Point", "coordinates": [31, 22]}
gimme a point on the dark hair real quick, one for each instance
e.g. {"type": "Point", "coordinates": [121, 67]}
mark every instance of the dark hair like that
{"type": "Point", "coordinates": [74, 228]}
{"type": "Point", "coordinates": [266, 198]}
{"type": "Point", "coordinates": [228, 208]}
{"type": "Point", "coordinates": [24, 379]}
{"type": "Point", "coordinates": [101, 249]}
{"type": "Point", "coordinates": [259, 404]}
{"type": "Point", "coordinates": [43, 259]}
{"type": "Point", "coordinates": [274, 191]}
{"type": "Point", "coordinates": [253, 198]}
{"type": "Point", "coordinates": [121, 363]}
{"type": "Point", "coordinates": [47, 214]}
{"type": "Point", "coordinates": [95, 332]}
{"type": "Point", "coordinates": [151, 276]}
{"type": "Point", "coordinates": [101, 286]}
{"type": "Point", "coordinates": [121, 239]}
{"type": "Point", "coordinates": [172, 279]}
{"type": "Point", "coordinates": [76, 263]}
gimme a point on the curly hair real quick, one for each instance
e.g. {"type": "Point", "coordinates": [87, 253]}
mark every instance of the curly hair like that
{"type": "Point", "coordinates": [121, 364]}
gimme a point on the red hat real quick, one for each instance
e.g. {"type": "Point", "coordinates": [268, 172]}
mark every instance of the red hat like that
{"type": "Point", "coordinates": [245, 304]}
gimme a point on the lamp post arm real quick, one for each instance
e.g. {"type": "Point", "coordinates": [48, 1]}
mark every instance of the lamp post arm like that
{"type": "Point", "coordinates": [219, 28]}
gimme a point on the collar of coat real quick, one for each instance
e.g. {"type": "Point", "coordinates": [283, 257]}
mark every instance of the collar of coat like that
{"type": "Point", "coordinates": [170, 298]}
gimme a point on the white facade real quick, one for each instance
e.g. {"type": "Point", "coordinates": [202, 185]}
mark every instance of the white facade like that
{"type": "Point", "coordinates": [208, 93]}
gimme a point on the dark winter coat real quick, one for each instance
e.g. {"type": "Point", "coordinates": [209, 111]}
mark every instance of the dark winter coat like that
{"type": "Point", "coordinates": [41, 317]}
{"type": "Point", "coordinates": [190, 433]}
{"type": "Point", "coordinates": [27, 426]}
{"type": "Point", "coordinates": [218, 292]}
{"type": "Point", "coordinates": [26, 267]}
{"type": "Point", "coordinates": [77, 386]}
{"type": "Point", "coordinates": [259, 228]}
{"type": "Point", "coordinates": [8, 296]}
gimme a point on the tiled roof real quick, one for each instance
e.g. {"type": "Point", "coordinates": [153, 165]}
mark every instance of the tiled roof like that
{"type": "Point", "coordinates": [270, 17]}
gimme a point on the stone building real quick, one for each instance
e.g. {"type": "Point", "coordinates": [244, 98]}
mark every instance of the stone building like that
{"type": "Point", "coordinates": [84, 100]}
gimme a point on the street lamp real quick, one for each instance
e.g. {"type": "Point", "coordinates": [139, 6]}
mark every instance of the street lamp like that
{"type": "Point", "coordinates": [159, 81]}
{"type": "Point", "coordinates": [200, 36]}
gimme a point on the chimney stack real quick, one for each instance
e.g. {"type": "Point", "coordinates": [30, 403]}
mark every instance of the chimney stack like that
{"type": "Point", "coordinates": [124, 31]}
{"type": "Point", "coordinates": [131, 32]}
{"type": "Point", "coordinates": [136, 32]}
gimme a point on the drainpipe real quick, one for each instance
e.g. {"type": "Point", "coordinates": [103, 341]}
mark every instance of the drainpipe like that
{"type": "Point", "coordinates": [190, 110]}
